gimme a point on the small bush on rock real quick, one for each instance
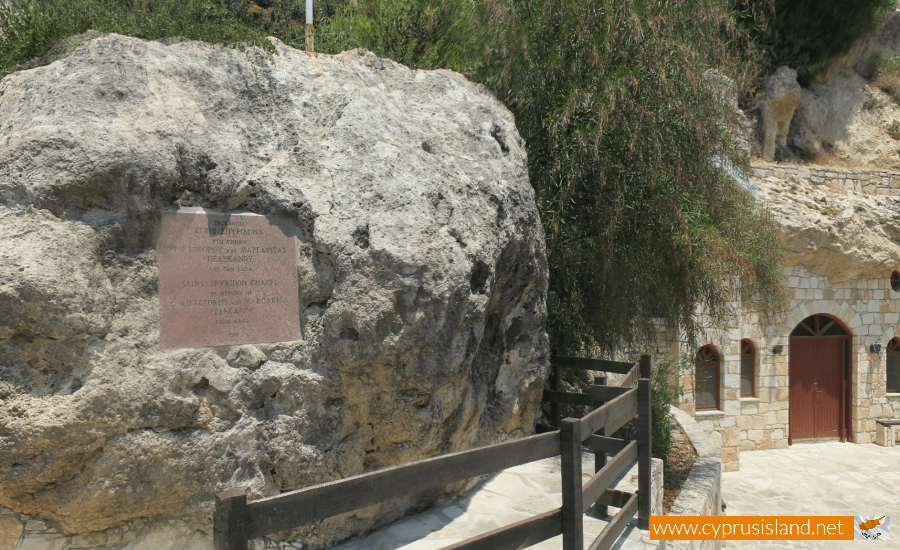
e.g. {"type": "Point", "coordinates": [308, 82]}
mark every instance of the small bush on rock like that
{"type": "Point", "coordinates": [886, 73]}
{"type": "Point", "coordinates": [873, 103]}
{"type": "Point", "coordinates": [894, 130]}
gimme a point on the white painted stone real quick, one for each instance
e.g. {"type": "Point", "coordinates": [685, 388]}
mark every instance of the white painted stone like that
{"type": "Point", "coordinates": [701, 492]}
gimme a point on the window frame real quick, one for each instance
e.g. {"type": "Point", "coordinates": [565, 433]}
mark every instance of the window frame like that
{"type": "Point", "coordinates": [748, 350]}
{"type": "Point", "coordinates": [893, 349]}
{"type": "Point", "coordinates": [717, 364]}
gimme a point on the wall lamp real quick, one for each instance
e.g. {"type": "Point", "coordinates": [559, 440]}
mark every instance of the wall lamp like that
{"type": "Point", "coordinates": [777, 349]}
{"type": "Point", "coordinates": [875, 348]}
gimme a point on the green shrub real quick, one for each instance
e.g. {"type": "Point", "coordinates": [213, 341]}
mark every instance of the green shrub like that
{"type": "Point", "coordinates": [886, 74]}
{"type": "Point", "coordinates": [873, 103]}
{"type": "Point", "coordinates": [30, 29]}
{"type": "Point", "coordinates": [664, 392]}
{"type": "Point", "coordinates": [894, 130]}
{"type": "Point", "coordinates": [426, 34]}
{"type": "Point", "coordinates": [879, 65]}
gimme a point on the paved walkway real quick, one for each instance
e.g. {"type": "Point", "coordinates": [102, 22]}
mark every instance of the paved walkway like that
{"type": "Point", "coordinates": [504, 498]}
{"type": "Point", "coordinates": [838, 479]}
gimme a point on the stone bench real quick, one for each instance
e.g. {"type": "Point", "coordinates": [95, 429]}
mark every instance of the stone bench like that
{"type": "Point", "coordinates": [884, 432]}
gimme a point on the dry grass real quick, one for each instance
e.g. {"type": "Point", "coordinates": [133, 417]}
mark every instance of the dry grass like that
{"type": "Point", "coordinates": [829, 161]}
{"type": "Point", "coordinates": [890, 84]}
{"type": "Point", "coordinates": [822, 160]}
{"type": "Point", "coordinates": [894, 130]}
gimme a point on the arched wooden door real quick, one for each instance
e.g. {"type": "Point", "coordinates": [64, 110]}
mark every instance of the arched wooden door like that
{"type": "Point", "coordinates": [819, 371]}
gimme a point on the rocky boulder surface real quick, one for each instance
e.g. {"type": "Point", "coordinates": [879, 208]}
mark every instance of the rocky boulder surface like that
{"type": "Point", "coordinates": [846, 119]}
{"type": "Point", "coordinates": [421, 264]}
{"type": "Point", "coordinates": [846, 122]}
{"type": "Point", "coordinates": [882, 41]}
{"type": "Point", "coordinates": [782, 95]}
{"type": "Point", "coordinates": [833, 230]}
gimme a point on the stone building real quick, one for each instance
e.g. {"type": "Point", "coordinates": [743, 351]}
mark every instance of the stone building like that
{"type": "Point", "coordinates": [829, 367]}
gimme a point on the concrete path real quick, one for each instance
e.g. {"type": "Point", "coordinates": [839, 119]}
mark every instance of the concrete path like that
{"type": "Point", "coordinates": [504, 498]}
{"type": "Point", "coordinates": [839, 479]}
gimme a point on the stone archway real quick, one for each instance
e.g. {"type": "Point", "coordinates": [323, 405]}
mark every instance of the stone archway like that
{"type": "Point", "coordinates": [819, 374]}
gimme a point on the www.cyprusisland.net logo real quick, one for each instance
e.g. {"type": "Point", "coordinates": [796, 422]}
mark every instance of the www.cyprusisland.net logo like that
{"type": "Point", "coordinates": [871, 528]}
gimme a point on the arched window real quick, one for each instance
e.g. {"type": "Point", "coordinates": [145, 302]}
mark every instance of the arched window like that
{"type": "Point", "coordinates": [748, 365]}
{"type": "Point", "coordinates": [818, 325]}
{"type": "Point", "coordinates": [893, 366]}
{"type": "Point", "coordinates": [707, 384]}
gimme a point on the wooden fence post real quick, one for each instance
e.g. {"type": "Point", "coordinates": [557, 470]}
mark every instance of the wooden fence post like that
{"type": "Point", "coordinates": [600, 510]}
{"type": "Point", "coordinates": [645, 366]}
{"type": "Point", "coordinates": [230, 521]}
{"type": "Point", "coordinates": [570, 469]}
{"type": "Point", "coordinates": [645, 444]}
{"type": "Point", "coordinates": [554, 385]}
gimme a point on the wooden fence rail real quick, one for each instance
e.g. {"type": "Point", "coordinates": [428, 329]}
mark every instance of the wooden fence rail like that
{"type": "Point", "coordinates": [237, 520]}
{"type": "Point", "coordinates": [554, 396]}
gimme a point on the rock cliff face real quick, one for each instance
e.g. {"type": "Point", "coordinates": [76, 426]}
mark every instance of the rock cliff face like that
{"type": "Point", "coordinates": [782, 95]}
{"type": "Point", "coordinates": [421, 265]}
{"type": "Point", "coordinates": [848, 235]}
{"type": "Point", "coordinates": [844, 119]}
{"type": "Point", "coordinates": [847, 121]}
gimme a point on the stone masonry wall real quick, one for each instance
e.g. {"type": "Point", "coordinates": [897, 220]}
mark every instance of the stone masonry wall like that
{"type": "Point", "coordinates": [871, 311]}
{"type": "Point", "coordinates": [701, 494]}
{"type": "Point", "coordinates": [871, 182]}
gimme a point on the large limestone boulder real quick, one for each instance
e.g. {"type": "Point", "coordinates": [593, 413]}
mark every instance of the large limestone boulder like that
{"type": "Point", "coordinates": [782, 95]}
{"type": "Point", "coordinates": [832, 230]}
{"type": "Point", "coordinates": [823, 119]}
{"type": "Point", "coordinates": [421, 265]}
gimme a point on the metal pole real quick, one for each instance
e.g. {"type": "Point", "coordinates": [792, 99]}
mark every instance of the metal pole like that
{"type": "Point", "coordinates": [310, 30]}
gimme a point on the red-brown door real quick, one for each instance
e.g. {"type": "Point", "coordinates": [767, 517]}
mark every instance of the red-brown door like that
{"type": "Point", "coordinates": [816, 382]}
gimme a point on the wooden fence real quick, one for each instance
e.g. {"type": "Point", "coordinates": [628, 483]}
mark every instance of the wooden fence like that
{"type": "Point", "coordinates": [236, 520]}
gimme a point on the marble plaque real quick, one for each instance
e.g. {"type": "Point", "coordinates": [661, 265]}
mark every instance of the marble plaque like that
{"type": "Point", "coordinates": [226, 279]}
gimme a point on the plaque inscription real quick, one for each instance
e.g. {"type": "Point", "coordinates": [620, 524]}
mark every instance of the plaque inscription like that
{"type": "Point", "coordinates": [226, 279]}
